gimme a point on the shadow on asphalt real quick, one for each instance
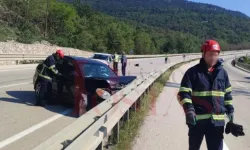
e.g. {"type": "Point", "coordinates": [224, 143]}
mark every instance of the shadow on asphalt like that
{"type": "Point", "coordinates": [28, 98]}
{"type": "Point", "coordinates": [172, 84]}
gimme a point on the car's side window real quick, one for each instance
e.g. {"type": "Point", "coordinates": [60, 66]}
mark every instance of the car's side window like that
{"type": "Point", "coordinates": [59, 65]}
{"type": "Point", "coordinates": [69, 68]}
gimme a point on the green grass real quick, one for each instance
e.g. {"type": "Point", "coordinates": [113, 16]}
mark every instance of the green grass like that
{"type": "Point", "coordinates": [130, 129]}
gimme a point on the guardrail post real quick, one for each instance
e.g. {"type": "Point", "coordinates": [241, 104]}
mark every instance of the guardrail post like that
{"type": "Point", "coordinates": [134, 106]}
{"type": "Point", "coordinates": [138, 102]}
{"type": "Point", "coordinates": [100, 146]}
{"type": "Point", "coordinates": [147, 90]}
{"type": "Point", "coordinates": [126, 116]}
{"type": "Point", "coordinates": [116, 133]}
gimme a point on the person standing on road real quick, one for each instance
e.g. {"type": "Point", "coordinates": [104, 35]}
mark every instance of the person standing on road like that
{"type": "Point", "coordinates": [115, 63]}
{"type": "Point", "coordinates": [184, 56]}
{"type": "Point", "coordinates": [124, 63]}
{"type": "Point", "coordinates": [166, 59]}
{"type": "Point", "coordinates": [205, 95]}
{"type": "Point", "coordinates": [47, 73]}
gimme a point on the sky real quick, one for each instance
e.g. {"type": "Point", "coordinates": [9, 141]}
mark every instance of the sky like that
{"type": "Point", "coordinates": [236, 5]}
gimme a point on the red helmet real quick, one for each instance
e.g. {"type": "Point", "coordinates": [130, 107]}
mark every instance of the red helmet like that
{"type": "Point", "coordinates": [60, 53]}
{"type": "Point", "coordinates": [210, 45]}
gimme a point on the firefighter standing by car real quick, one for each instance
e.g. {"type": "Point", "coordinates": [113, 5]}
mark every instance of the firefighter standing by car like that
{"type": "Point", "coordinates": [115, 63]}
{"type": "Point", "coordinates": [47, 73]}
{"type": "Point", "coordinates": [124, 63]}
{"type": "Point", "coordinates": [205, 95]}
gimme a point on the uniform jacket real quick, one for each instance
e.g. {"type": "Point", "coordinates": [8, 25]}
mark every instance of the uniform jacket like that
{"type": "Point", "coordinates": [49, 68]}
{"type": "Point", "coordinates": [124, 60]}
{"type": "Point", "coordinates": [207, 94]}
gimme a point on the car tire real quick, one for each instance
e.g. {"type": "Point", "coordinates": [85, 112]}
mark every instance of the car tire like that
{"type": "Point", "coordinates": [39, 94]}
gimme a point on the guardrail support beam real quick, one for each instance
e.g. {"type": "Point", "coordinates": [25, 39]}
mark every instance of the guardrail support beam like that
{"type": "Point", "coordinates": [116, 133]}
{"type": "Point", "coordinates": [100, 146]}
{"type": "Point", "coordinates": [138, 102]}
{"type": "Point", "coordinates": [134, 106]}
{"type": "Point", "coordinates": [126, 116]}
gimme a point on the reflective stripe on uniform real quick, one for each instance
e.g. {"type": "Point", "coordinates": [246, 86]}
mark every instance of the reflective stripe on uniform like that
{"type": "Point", "coordinates": [201, 117]}
{"type": "Point", "coordinates": [46, 77]}
{"type": "Point", "coordinates": [228, 89]}
{"type": "Point", "coordinates": [218, 117]}
{"type": "Point", "coordinates": [43, 76]}
{"type": "Point", "coordinates": [53, 69]}
{"type": "Point", "coordinates": [228, 102]}
{"type": "Point", "coordinates": [184, 89]}
{"type": "Point", "coordinates": [209, 93]}
{"type": "Point", "coordinates": [185, 100]}
{"type": "Point", "coordinates": [207, 116]}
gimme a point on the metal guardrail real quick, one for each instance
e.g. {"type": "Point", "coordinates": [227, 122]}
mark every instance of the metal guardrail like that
{"type": "Point", "coordinates": [89, 131]}
{"type": "Point", "coordinates": [22, 57]}
{"type": "Point", "coordinates": [242, 65]}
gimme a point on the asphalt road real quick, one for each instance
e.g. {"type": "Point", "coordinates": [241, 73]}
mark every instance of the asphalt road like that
{"type": "Point", "coordinates": [165, 128]}
{"type": "Point", "coordinates": [23, 125]}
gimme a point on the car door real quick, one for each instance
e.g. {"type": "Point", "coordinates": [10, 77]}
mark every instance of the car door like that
{"type": "Point", "coordinates": [67, 81]}
{"type": "Point", "coordinates": [56, 80]}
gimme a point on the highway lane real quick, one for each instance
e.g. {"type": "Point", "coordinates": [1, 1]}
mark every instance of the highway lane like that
{"type": "Point", "coordinates": [241, 99]}
{"type": "Point", "coordinates": [23, 125]}
{"type": "Point", "coordinates": [164, 127]}
{"type": "Point", "coordinates": [14, 75]}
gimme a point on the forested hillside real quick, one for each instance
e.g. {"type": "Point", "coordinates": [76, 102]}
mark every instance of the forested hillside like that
{"type": "Point", "coordinates": [141, 25]}
{"type": "Point", "coordinates": [201, 20]}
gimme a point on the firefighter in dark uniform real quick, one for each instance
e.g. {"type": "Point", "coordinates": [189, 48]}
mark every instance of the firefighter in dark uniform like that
{"type": "Point", "coordinates": [124, 63]}
{"type": "Point", "coordinates": [205, 95]}
{"type": "Point", "coordinates": [47, 73]}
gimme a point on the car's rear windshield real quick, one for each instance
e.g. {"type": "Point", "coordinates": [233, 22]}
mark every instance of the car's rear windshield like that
{"type": "Point", "coordinates": [102, 57]}
{"type": "Point", "coordinates": [96, 70]}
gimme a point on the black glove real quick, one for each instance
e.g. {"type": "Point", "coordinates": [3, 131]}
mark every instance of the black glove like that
{"type": "Point", "coordinates": [235, 129]}
{"type": "Point", "coordinates": [190, 118]}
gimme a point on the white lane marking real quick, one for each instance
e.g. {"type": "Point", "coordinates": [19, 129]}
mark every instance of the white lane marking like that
{"type": "Point", "coordinates": [10, 85]}
{"type": "Point", "coordinates": [32, 129]}
{"type": "Point", "coordinates": [16, 69]}
{"type": "Point", "coordinates": [225, 146]}
{"type": "Point", "coordinates": [241, 85]}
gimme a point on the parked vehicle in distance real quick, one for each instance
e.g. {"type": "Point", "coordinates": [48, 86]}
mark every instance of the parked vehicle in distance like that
{"type": "Point", "coordinates": [103, 57]}
{"type": "Point", "coordinates": [84, 83]}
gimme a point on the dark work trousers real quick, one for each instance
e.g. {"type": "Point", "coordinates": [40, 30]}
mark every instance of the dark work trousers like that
{"type": "Point", "coordinates": [46, 90]}
{"type": "Point", "coordinates": [213, 135]}
{"type": "Point", "coordinates": [115, 67]}
{"type": "Point", "coordinates": [166, 60]}
{"type": "Point", "coordinates": [124, 69]}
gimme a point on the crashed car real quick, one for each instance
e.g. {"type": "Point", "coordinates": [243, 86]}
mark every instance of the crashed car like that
{"type": "Point", "coordinates": [84, 83]}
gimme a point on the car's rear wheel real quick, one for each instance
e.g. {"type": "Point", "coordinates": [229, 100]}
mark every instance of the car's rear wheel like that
{"type": "Point", "coordinates": [39, 94]}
